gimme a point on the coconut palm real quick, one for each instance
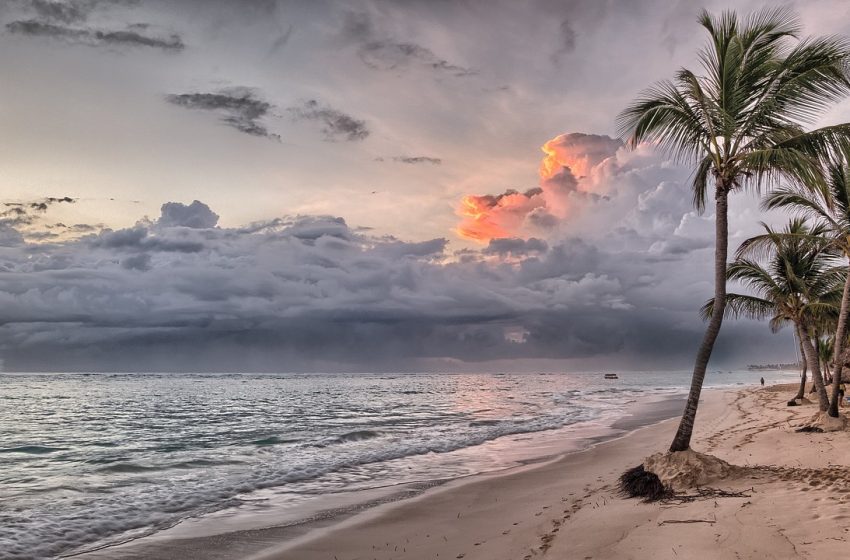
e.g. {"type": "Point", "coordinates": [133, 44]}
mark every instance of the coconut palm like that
{"type": "Point", "coordinates": [799, 285]}
{"type": "Point", "coordinates": [832, 206]}
{"type": "Point", "coordinates": [741, 123]}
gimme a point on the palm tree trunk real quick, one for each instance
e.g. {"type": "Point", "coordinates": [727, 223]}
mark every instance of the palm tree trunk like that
{"type": "Point", "coordinates": [812, 358]}
{"type": "Point", "coordinates": [682, 440]}
{"type": "Point", "coordinates": [839, 342]}
{"type": "Point", "coordinates": [801, 392]}
{"type": "Point", "coordinates": [815, 339]}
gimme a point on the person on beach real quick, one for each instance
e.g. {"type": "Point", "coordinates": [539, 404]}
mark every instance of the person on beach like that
{"type": "Point", "coordinates": [762, 381]}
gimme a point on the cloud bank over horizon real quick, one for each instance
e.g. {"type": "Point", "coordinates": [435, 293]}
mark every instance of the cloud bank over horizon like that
{"type": "Point", "coordinates": [313, 293]}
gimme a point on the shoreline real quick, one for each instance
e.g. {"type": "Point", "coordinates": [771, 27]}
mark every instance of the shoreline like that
{"type": "Point", "coordinates": [214, 539]}
{"type": "Point", "coordinates": [788, 497]}
{"type": "Point", "coordinates": [437, 507]}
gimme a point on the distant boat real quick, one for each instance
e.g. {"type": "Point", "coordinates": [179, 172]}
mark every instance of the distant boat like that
{"type": "Point", "coordinates": [612, 376]}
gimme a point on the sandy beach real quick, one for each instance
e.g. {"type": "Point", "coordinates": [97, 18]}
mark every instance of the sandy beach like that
{"type": "Point", "coordinates": [795, 504]}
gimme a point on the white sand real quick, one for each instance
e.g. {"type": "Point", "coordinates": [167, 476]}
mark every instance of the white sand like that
{"type": "Point", "coordinates": [797, 507]}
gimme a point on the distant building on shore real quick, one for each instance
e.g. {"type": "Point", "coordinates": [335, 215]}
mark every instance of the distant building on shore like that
{"type": "Point", "coordinates": [760, 367]}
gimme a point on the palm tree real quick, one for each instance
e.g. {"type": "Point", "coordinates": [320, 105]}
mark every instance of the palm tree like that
{"type": "Point", "coordinates": [832, 206]}
{"type": "Point", "coordinates": [741, 123]}
{"type": "Point", "coordinates": [800, 286]}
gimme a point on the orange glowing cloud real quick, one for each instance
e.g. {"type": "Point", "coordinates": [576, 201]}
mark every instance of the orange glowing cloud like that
{"type": "Point", "coordinates": [579, 153]}
{"type": "Point", "coordinates": [488, 217]}
{"type": "Point", "coordinates": [564, 173]}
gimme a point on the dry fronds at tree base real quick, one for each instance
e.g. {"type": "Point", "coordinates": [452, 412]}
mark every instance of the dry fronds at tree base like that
{"type": "Point", "coordinates": [703, 494]}
{"type": "Point", "coordinates": [809, 429]}
{"type": "Point", "coordinates": [640, 483]}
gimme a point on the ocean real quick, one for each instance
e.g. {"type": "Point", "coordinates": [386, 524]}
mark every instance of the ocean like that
{"type": "Point", "coordinates": [88, 461]}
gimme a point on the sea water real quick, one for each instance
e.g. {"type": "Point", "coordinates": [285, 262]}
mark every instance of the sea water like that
{"type": "Point", "coordinates": [87, 460]}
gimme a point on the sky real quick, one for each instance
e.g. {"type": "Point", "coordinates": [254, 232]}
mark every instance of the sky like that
{"type": "Point", "coordinates": [261, 185]}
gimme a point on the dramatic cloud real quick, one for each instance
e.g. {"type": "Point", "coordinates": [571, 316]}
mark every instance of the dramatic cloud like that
{"type": "Point", "coordinates": [69, 21]}
{"type": "Point", "coordinates": [576, 153]}
{"type": "Point", "coordinates": [335, 124]}
{"type": "Point", "coordinates": [492, 216]}
{"type": "Point", "coordinates": [294, 288]}
{"type": "Point", "coordinates": [512, 246]}
{"type": "Point", "coordinates": [566, 180]}
{"type": "Point", "coordinates": [196, 215]}
{"type": "Point", "coordinates": [240, 108]}
{"type": "Point", "coordinates": [94, 37]}
{"type": "Point", "coordinates": [384, 53]}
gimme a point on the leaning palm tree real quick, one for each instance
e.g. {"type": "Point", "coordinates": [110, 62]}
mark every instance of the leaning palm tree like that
{"type": "Point", "coordinates": [799, 285]}
{"type": "Point", "coordinates": [832, 206]}
{"type": "Point", "coordinates": [742, 124]}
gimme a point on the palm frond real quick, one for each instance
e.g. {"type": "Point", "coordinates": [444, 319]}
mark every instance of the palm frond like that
{"type": "Point", "coordinates": [741, 305]}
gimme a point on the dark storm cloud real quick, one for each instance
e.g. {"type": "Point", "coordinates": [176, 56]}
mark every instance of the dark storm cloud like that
{"type": "Point", "coordinates": [141, 238]}
{"type": "Point", "coordinates": [196, 215]}
{"type": "Point", "coordinates": [128, 37]}
{"type": "Point", "coordinates": [295, 288]}
{"type": "Point", "coordinates": [335, 124]}
{"type": "Point", "coordinates": [302, 292]}
{"type": "Point", "coordinates": [240, 108]}
{"type": "Point", "coordinates": [134, 38]}
{"type": "Point", "coordinates": [512, 246]}
{"type": "Point", "coordinates": [140, 262]}
{"type": "Point", "coordinates": [433, 248]}
{"type": "Point", "coordinates": [70, 21]}
{"type": "Point", "coordinates": [33, 27]}
{"type": "Point", "coordinates": [310, 228]}
{"type": "Point", "coordinates": [418, 159]}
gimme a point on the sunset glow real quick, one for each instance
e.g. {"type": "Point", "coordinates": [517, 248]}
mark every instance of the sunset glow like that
{"type": "Point", "coordinates": [488, 217]}
{"type": "Point", "coordinates": [562, 153]}
{"type": "Point", "coordinates": [565, 177]}
{"type": "Point", "coordinates": [554, 162]}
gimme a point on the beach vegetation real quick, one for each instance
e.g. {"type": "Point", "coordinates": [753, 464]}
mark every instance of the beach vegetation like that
{"type": "Point", "coordinates": [743, 122]}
